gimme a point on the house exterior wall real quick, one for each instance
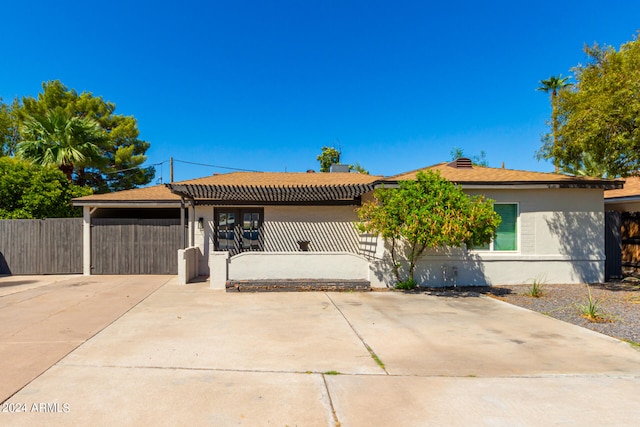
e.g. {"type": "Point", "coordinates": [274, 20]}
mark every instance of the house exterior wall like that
{"type": "Point", "coordinates": [203, 237]}
{"type": "Point", "coordinates": [560, 240]}
{"type": "Point", "coordinates": [328, 228]}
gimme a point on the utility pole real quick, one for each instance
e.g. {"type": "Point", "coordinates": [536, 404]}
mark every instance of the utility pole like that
{"type": "Point", "coordinates": [171, 170]}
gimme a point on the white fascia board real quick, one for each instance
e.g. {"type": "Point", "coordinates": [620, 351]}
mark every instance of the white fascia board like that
{"type": "Point", "coordinates": [622, 199]}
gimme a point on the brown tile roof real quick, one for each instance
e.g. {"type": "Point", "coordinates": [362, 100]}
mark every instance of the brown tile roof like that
{"type": "Point", "coordinates": [493, 176]}
{"type": "Point", "coordinates": [284, 179]}
{"type": "Point", "coordinates": [161, 193]}
{"type": "Point", "coordinates": [156, 193]}
{"type": "Point", "coordinates": [336, 184]}
{"type": "Point", "coordinates": [631, 188]}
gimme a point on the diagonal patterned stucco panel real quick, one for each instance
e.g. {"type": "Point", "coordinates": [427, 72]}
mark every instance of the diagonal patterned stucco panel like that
{"type": "Point", "coordinates": [334, 236]}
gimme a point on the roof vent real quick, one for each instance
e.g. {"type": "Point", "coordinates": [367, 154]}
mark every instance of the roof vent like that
{"type": "Point", "coordinates": [310, 171]}
{"type": "Point", "coordinates": [461, 163]}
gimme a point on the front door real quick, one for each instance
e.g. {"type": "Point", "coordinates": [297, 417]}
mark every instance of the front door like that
{"type": "Point", "coordinates": [238, 230]}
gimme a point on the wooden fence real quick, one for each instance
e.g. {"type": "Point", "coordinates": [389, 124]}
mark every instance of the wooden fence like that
{"type": "Point", "coordinates": [135, 246]}
{"type": "Point", "coordinates": [630, 238]}
{"type": "Point", "coordinates": [41, 246]}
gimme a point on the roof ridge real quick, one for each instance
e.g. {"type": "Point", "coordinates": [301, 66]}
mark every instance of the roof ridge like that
{"type": "Point", "coordinates": [415, 170]}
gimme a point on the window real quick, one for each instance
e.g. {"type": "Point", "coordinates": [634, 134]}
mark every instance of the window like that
{"type": "Point", "coordinates": [238, 230]}
{"type": "Point", "coordinates": [506, 238]}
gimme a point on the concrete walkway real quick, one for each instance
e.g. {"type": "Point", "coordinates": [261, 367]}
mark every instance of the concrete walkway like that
{"type": "Point", "coordinates": [188, 355]}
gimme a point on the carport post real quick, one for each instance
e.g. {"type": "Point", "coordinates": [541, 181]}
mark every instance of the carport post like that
{"type": "Point", "coordinates": [86, 240]}
{"type": "Point", "coordinates": [192, 218]}
{"type": "Point", "coordinates": [184, 239]}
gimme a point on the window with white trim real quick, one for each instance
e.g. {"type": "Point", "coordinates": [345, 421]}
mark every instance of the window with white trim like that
{"type": "Point", "coordinates": [506, 238]}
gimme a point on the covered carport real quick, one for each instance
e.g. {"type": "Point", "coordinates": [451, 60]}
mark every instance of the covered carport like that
{"type": "Point", "coordinates": [133, 232]}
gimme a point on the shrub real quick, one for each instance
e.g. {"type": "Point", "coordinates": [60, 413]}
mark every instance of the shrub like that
{"type": "Point", "coordinates": [408, 284]}
{"type": "Point", "coordinates": [591, 309]}
{"type": "Point", "coordinates": [535, 290]}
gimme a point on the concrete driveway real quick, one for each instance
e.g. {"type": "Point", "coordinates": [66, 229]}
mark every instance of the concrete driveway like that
{"type": "Point", "coordinates": [43, 318]}
{"type": "Point", "coordinates": [190, 355]}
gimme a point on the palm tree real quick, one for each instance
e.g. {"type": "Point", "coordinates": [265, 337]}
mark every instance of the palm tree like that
{"type": "Point", "coordinates": [60, 139]}
{"type": "Point", "coordinates": [554, 84]}
{"type": "Point", "coordinates": [588, 167]}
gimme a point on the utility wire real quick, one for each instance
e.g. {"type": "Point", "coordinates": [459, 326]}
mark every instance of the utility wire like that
{"type": "Point", "coordinates": [215, 166]}
{"type": "Point", "coordinates": [135, 167]}
{"type": "Point", "coordinates": [181, 161]}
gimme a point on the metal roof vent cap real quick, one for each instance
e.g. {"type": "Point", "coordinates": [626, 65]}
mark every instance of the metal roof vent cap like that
{"type": "Point", "coordinates": [461, 163]}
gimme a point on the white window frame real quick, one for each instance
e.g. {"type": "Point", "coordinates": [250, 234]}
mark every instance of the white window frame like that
{"type": "Point", "coordinates": [517, 250]}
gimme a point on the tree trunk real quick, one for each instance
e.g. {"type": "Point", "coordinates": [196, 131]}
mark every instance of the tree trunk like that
{"type": "Point", "coordinates": [396, 267]}
{"type": "Point", "coordinates": [68, 171]}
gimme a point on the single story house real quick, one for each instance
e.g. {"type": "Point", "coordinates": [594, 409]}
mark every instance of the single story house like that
{"type": "Point", "coordinates": [252, 226]}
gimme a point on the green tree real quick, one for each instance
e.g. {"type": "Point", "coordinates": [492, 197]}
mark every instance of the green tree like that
{"type": "Point", "coordinates": [331, 156]}
{"type": "Point", "coordinates": [427, 213]}
{"type": "Point", "coordinates": [31, 191]}
{"type": "Point", "coordinates": [358, 168]}
{"type": "Point", "coordinates": [480, 160]}
{"type": "Point", "coordinates": [9, 135]}
{"type": "Point", "coordinates": [59, 139]}
{"type": "Point", "coordinates": [598, 118]}
{"type": "Point", "coordinates": [328, 157]}
{"type": "Point", "coordinates": [123, 153]}
{"type": "Point", "coordinates": [553, 85]}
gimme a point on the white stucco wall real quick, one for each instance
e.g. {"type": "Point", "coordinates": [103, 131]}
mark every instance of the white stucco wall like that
{"type": "Point", "coordinates": [297, 265]}
{"type": "Point", "coordinates": [329, 228]}
{"type": "Point", "coordinates": [203, 237]}
{"type": "Point", "coordinates": [187, 264]}
{"type": "Point", "coordinates": [310, 213]}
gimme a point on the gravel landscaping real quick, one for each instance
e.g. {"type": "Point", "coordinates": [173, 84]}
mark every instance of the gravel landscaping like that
{"type": "Point", "coordinates": [618, 304]}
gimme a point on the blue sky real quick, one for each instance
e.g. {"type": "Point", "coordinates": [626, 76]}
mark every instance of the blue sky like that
{"type": "Point", "coordinates": [263, 85]}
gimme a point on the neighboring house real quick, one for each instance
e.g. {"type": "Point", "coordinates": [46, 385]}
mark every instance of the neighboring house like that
{"type": "Point", "coordinates": [271, 225]}
{"type": "Point", "coordinates": [623, 210]}
{"type": "Point", "coordinates": [625, 199]}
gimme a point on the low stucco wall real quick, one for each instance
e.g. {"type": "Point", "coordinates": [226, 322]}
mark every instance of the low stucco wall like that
{"type": "Point", "coordinates": [476, 270]}
{"type": "Point", "coordinates": [508, 271]}
{"type": "Point", "coordinates": [298, 265]}
{"type": "Point", "coordinates": [187, 264]}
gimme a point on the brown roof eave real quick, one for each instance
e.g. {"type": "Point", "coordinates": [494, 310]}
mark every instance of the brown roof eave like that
{"type": "Point", "coordinates": [603, 184]}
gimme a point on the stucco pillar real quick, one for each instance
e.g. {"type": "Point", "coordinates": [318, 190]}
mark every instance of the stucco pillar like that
{"type": "Point", "coordinates": [86, 241]}
{"type": "Point", "coordinates": [218, 267]}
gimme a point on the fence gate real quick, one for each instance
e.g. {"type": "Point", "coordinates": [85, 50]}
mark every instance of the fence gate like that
{"type": "Point", "coordinates": [631, 239]}
{"type": "Point", "coordinates": [135, 246]}
{"type": "Point", "coordinates": [41, 246]}
{"type": "Point", "coordinates": [612, 245]}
